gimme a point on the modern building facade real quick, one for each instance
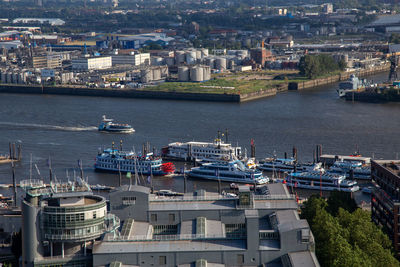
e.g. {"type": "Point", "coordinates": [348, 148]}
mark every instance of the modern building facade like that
{"type": "Point", "coordinates": [91, 63]}
{"type": "Point", "coordinates": [385, 198]}
{"type": "Point", "coordinates": [207, 229]}
{"type": "Point", "coordinates": [60, 223]}
{"type": "Point", "coordinates": [135, 59]}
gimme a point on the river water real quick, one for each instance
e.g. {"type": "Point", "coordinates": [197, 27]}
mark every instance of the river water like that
{"type": "Point", "coordinates": [65, 128]}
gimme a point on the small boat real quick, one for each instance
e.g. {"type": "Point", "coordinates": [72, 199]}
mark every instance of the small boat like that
{"type": "Point", "coordinates": [351, 85]}
{"type": "Point", "coordinates": [100, 187]}
{"type": "Point", "coordinates": [352, 169]}
{"type": "Point", "coordinates": [321, 180]}
{"type": "Point", "coordinates": [107, 125]}
{"type": "Point", "coordinates": [168, 193]}
{"type": "Point", "coordinates": [232, 171]}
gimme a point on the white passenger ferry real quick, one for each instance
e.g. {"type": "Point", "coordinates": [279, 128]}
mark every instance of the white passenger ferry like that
{"type": "Point", "coordinates": [352, 169]}
{"type": "Point", "coordinates": [277, 164]}
{"type": "Point", "coordinates": [113, 160]}
{"type": "Point", "coordinates": [189, 151]}
{"type": "Point", "coordinates": [232, 171]}
{"type": "Point", "coordinates": [320, 180]}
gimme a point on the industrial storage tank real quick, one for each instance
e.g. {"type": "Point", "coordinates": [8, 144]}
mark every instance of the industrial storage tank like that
{"type": "Point", "coordinates": [15, 78]}
{"type": "Point", "coordinates": [191, 57]}
{"type": "Point", "coordinates": [180, 57]}
{"type": "Point", "coordinates": [183, 74]}
{"type": "Point", "coordinates": [220, 63]}
{"type": "Point", "coordinates": [156, 61]}
{"type": "Point", "coordinates": [204, 52]}
{"type": "Point", "coordinates": [170, 61]}
{"type": "Point", "coordinates": [156, 74]}
{"type": "Point", "coordinates": [210, 62]}
{"type": "Point", "coordinates": [196, 74]}
{"type": "Point", "coordinates": [206, 73]}
{"type": "Point", "coordinates": [9, 77]}
{"type": "Point", "coordinates": [146, 75]}
{"type": "Point", "coordinates": [231, 64]}
{"type": "Point", "coordinates": [198, 54]}
{"type": "Point", "coordinates": [3, 77]}
{"type": "Point", "coordinates": [164, 71]}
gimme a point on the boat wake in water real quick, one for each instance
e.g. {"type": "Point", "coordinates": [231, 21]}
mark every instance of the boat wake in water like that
{"type": "Point", "coordinates": [49, 127]}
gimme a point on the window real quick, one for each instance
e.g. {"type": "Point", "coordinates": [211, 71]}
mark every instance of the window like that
{"type": "Point", "coordinates": [171, 217]}
{"type": "Point", "coordinates": [153, 217]}
{"type": "Point", "coordinates": [240, 258]}
{"type": "Point", "coordinates": [128, 201]}
{"type": "Point", "coordinates": [94, 215]}
{"type": "Point", "coordinates": [162, 260]}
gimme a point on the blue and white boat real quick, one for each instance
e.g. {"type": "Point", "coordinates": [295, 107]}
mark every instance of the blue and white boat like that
{"type": "Point", "coordinates": [277, 164]}
{"type": "Point", "coordinates": [231, 171]}
{"type": "Point", "coordinates": [113, 160]}
{"type": "Point", "coordinates": [321, 180]}
{"type": "Point", "coordinates": [352, 169]}
{"type": "Point", "coordinates": [107, 125]}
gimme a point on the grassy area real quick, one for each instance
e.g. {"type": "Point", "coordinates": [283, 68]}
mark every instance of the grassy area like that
{"type": "Point", "coordinates": [244, 82]}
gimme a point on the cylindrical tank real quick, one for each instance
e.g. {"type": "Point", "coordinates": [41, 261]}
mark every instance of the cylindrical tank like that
{"type": "Point", "coordinates": [146, 75]}
{"type": "Point", "coordinates": [180, 57]}
{"type": "Point", "coordinates": [156, 74]}
{"type": "Point", "coordinates": [220, 63]}
{"type": "Point", "coordinates": [204, 52]}
{"type": "Point", "coordinates": [191, 57]}
{"type": "Point", "coordinates": [164, 71]}
{"type": "Point", "coordinates": [210, 62]}
{"type": "Point", "coordinates": [15, 77]}
{"type": "Point", "coordinates": [156, 61]}
{"type": "Point", "coordinates": [196, 74]}
{"type": "Point", "coordinates": [206, 73]}
{"type": "Point", "coordinates": [183, 74]}
{"type": "Point", "coordinates": [9, 77]}
{"type": "Point", "coordinates": [198, 54]}
{"type": "Point", "coordinates": [170, 61]}
{"type": "Point", "coordinates": [231, 64]}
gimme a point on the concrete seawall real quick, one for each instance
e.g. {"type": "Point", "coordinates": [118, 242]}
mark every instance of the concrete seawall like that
{"type": "Point", "coordinates": [336, 78]}
{"type": "Point", "coordinates": [133, 93]}
{"type": "Point", "coordinates": [125, 93]}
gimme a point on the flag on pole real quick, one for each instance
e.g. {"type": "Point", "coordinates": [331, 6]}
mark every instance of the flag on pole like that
{"type": "Point", "coordinates": [128, 175]}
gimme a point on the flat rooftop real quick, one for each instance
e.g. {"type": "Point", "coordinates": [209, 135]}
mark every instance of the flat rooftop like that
{"type": "Point", "coordinates": [105, 247]}
{"type": "Point", "coordinates": [391, 165]}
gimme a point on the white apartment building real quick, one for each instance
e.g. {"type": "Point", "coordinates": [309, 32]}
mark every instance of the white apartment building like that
{"type": "Point", "coordinates": [92, 63]}
{"type": "Point", "coordinates": [136, 59]}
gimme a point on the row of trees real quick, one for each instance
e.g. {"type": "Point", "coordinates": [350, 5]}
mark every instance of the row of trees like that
{"type": "Point", "coordinates": [313, 66]}
{"type": "Point", "coordinates": [344, 234]}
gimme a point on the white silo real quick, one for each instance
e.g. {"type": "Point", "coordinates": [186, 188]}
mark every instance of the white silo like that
{"type": "Point", "coordinates": [231, 64]}
{"type": "Point", "coordinates": [191, 57]}
{"type": "Point", "coordinates": [220, 63]}
{"type": "Point", "coordinates": [196, 74]}
{"type": "Point", "coordinates": [156, 61]}
{"type": "Point", "coordinates": [9, 77]}
{"type": "Point", "coordinates": [156, 74]}
{"type": "Point", "coordinates": [204, 52]}
{"type": "Point", "coordinates": [170, 61]}
{"type": "Point", "coordinates": [146, 75]}
{"type": "Point", "coordinates": [164, 71]}
{"type": "Point", "coordinates": [198, 54]}
{"type": "Point", "coordinates": [183, 74]}
{"type": "Point", "coordinates": [206, 73]}
{"type": "Point", "coordinates": [3, 77]}
{"type": "Point", "coordinates": [180, 57]}
{"type": "Point", "coordinates": [210, 61]}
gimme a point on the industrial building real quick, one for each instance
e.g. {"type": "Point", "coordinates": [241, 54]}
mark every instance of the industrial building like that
{"type": "Point", "coordinates": [135, 59]}
{"type": "Point", "coordinates": [91, 63]}
{"type": "Point", "coordinates": [47, 61]}
{"type": "Point", "coordinates": [385, 198]}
